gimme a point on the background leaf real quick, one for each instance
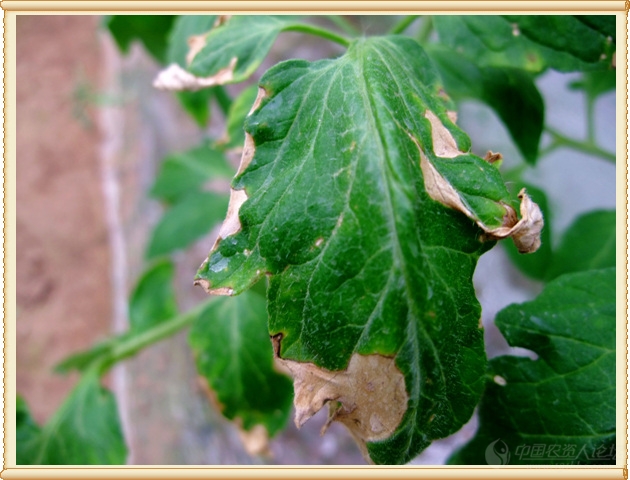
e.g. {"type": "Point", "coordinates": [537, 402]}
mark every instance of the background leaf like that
{"type": "Point", "coordinates": [189, 219]}
{"type": "Point", "coordinates": [151, 30]}
{"type": "Point", "coordinates": [530, 42]}
{"type": "Point", "coordinates": [233, 353]}
{"type": "Point", "coordinates": [184, 27]}
{"type": "Point", "coordinates": [84, 431]}
{"type": "Point", "coordinates": [360, 259]}
{"type": "Point", "coordinates": [153, 298]}
{"type": "Point", "coordinates": [589, 243]}
{"type": "Point", "coordinates": [510, 92]}
{"type": "Point", "coordinates": [235, 134]}
{"type": "Point", "coordinates": [563, 402]}
{"type": "Point", "coordinates": [248, 38]}
{"type": "Point", "coordinates": [181, 173]}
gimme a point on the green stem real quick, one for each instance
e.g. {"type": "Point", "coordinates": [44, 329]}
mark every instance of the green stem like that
{"type": "Point", "coordinates": [426, 28]}
{"type": "Point", "coordinates": [401, 26]}
{"type": "Point", "coordinates": [583, 146]}
{"type": "Point", "coordinates": [126, 347]}
{"type": "Point", "coordinates": [344, 25]}
{"type": "Point", "coordinates": [590, 119]}
{"type": "Point", "coordinates": [317, 31]}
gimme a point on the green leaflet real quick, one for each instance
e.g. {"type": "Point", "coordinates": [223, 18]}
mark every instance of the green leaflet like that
{"type": "Point", "coordinates": [151, 30]}
{"type": "Point", "coordinates": [330, 201]}
{"type": "Point", "coordinates": [589, 243]}
{"type": "Point", "coordinates": [181, 173]}
{"type": "Point", "coordinates": [559, 408]}
{"type": "Point", "coordinates": [234, 135]}
{"type": "Point", "coordinates": [533, 42]}
{"type": "Point", "coordinates": [153, 298]}
{"type": "Point", "coordinates": [186, 221]}
{"type": "Point", "coordinates": [84, 431]}
{"type": "Point", "coordinates": [232, 351]}
{"type": "Point", "coordinates": [510, 92]}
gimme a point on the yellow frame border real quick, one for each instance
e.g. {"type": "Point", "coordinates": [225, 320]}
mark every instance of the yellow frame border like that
{"type": "Point", "coordinates": [12, 8]}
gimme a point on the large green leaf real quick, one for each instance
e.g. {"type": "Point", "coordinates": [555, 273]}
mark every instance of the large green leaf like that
{"type": "Point", "coordinates": [151, 30]}
{"type": "Point", "coordinates": [589, 243]}
{"type": "Point", "coordinates": [181, 173]}
{"type": "Point", "coordinates": [368, 274]}
{"type": "Point", "coordinates": [559, 408]}
{"type": "Point", "coordinates": [233, 352]}
{"type": "Point", "coordinates": [510, 92]}
{"type": "Point", "coordinates": [84, 431]}
{"type": "Point", "coordinates": [531, 42]}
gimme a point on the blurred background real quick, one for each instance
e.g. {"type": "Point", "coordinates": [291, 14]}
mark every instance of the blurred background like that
{"type": "Point", "coordinates": [91, 134]}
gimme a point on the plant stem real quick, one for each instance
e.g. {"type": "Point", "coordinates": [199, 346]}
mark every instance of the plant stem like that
{"type": "Point", "coordinates": [559, 140]}
{"type": "Point", "coordinates": [426, 28]}
{"type": "Point", "coordinates": [127, 347]}
{"type": "Point", "coordinates": [317, 31]}
{"type": "Point", "coordinates": [590, 119]}
{"type": "Point", "coordinates": [401, 26]}
{"type": "Point", "coordinates": [344, 24]}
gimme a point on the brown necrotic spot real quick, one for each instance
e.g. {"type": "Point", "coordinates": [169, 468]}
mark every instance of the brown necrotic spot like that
{"type": "Point", "coordinates": [369, 397]}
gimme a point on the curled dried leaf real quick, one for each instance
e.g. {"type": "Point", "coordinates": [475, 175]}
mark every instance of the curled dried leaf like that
{"type": "Point", "coordinates": [175, 78]}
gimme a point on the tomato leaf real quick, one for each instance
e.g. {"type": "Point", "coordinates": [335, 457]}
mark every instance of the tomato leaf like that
{"type": "Point", "coordinates": [559, 408]}
{"type": "Point", "coordinates": [186, 221]}
{"type": "Point", "coordinates": [232, 351]}
{"type": "Point", "coordinates": [341, 198]}
{"type": "Point", "coordinates": [532, 42]}
{"type": "Point", "coordinates": [510, 92]}
{"type": "Point", "coordinates": [84, 431]}
{"type": "Point", "coordinates": [181, 173]}
{"type": "Point", "coordinates": [589, 243]}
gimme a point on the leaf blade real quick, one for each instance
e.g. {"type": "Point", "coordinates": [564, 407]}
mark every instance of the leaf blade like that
{"type": "Point", "coordinates": [354, 246]}
{"type": "Point", "coordinates": [567, 395]}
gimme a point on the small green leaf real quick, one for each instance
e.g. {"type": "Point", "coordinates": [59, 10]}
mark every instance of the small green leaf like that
{"type": "Point", "coordinates": [84, 431]}
{"type": "Point", "coordinates": [589, 243]}
{"type": "Point", "coordinates": [184, 172]}
{"type": "Point", "coordinates": [510, 92]}
{"type": "Point", "coordinates": [235, 134]}
{"type": "Point", "coordinates": [151, 30]}
{"type": "Point", "coordinates": [27, 433]}
{"type": "Point", "coordinates": [186, 221]}
{"type": "Point", "coordinates": [595, 84]}
{"type": "Point", "coordinates": [153, 298]}
{"type": "Point", "coordinates": [534, 265]}
{"type": "Point", "coordinates": [559, 408]}
{"type": "Point", "coordinates": [233, 352]}
{"type": "Point", "coordinates": [366, 269]}
{"type": "Point", "coordinates": [530, 42]}
{"type": "Point", "coordinates": [239, 46]}
{"type": "Point", "coordinates": [197, 104]}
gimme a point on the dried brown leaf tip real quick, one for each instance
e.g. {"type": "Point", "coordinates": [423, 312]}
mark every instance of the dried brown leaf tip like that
{"type": "Point", "coordinates": [175, 78]}
{"type": "Point", "coordinates": [369, 397]}
{"type": "Point", "coordinates": [525, 232]}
